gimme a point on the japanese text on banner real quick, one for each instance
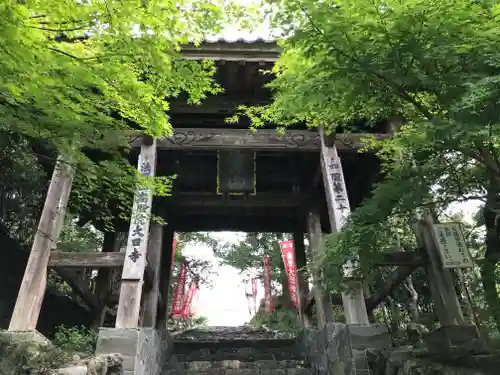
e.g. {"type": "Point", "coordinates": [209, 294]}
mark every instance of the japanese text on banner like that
{"type": "Point", "coordinates": [179, 292]}
{"type": "Point", "coordinates": [288, 254]}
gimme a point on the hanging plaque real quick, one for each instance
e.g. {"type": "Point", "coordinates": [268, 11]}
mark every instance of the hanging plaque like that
{"type": "Point", "coordinates": [236, 172]}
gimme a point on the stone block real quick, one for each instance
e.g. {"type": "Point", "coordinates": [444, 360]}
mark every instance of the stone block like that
{"type": "Point", "coordinates": [268, 372]}
{"type": "Point", "coordinates": [341, 349]}
{"type": "Point", "coordinates": [373, 336]}
{"type": "Point", "coordinates": [145, 351]}
{"type": "Point", "coordinates": [449, 339]}
{"type": "Point", "coordinates": [114, 340]}
{"type": "Point", "coordinates": [27, 337]}
{"type": "Point", "coordinates": [298, 371]}
{"type": "Point", "coordinates": [253, 371]}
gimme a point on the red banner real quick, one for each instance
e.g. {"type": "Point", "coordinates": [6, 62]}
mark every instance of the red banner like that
{"type": "Point", "coordinates": [288, 254]}
{"type": "Point", "coordinates": [267, 285]}
{"type": "Point", "coordinates": [186, 310]}
{"type": "Point", "coordinates": [194, 304]}
{"type": "Point", "coordinates": [174, 246]}
{"type": "Point", "coordinates": [179, 292]}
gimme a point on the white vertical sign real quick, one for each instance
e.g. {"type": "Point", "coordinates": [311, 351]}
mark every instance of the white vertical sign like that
{"type": "Point", "coordinates": [135, 252]}
{"type": "Point", "coordinates": [451, 244]}
{"type": "Point", "coordinates": [336, 192]}
{"type": "Point", "coordinates": [336, 186]}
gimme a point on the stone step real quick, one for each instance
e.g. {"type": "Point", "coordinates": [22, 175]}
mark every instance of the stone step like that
{"type": "Point", "coordinates": [237, 350]}
{"type": "Point", "coordinates": [227, 367]}
{"type": "Point", "coordinates": [232, 365]}
{"type": "Point", "coordinates": [242, 371]}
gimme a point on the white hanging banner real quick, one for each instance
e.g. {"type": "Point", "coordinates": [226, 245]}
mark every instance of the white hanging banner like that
{"type": "Point", "coordinates": [452, 247]}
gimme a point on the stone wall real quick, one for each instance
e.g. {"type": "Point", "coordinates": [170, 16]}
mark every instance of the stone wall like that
{"type": "Point", "coordinates": [410, 361]}
{"type": "Point", "coordinates": [341, 349]}
{"type": "Point", "coordinates": [145, 351]}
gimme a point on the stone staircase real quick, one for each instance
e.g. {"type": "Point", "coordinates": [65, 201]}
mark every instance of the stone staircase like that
{"type": "Point", "coordinates": [235, 351]}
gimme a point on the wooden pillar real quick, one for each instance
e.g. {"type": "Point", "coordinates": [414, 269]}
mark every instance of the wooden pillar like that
{"type": "Point", "coordinates": [127, 315]}
{"type": "Point", "coordinates": [103, 280]}
{"type": "Point", "coordinates": [324, 309]}
{"type": "Point", "coordinates": [441, 284]}
{"type": "Point", "coordinates": [154, 258]}
{"type": "Point", "coordinates": [338, 211]}
{"type": "Point", "coordinates": [165, 276]}
{"type": "Point", "coordinates": [300, 255]}
{"type": "Point", "coordinates": [32, 290]}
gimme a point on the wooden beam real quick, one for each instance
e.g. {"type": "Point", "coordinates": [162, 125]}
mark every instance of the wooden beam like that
{"type": "Point", "coordinates": [165, 276]}
{"type": "Point", "coordinates": [400, 258]}
{"type": "Point", "coordinates": [393, 281]}
{"type": "Point", "coordinates": [261, 140]}
{"type": "Point", "coordinates": [86, 260]}
{"type": "Point", "coordinates": [60, 259]}
{"type": "Point", "coordinates": [32, 290]}
{"type": "Point", "coordinates": [216, 104]}
{"type": "Point", "coordinates": [152, 296]}
{"type": "Point", "coordinates": [324, 310]}
{"type": "Point", "coordinates": [191, 221]}
{"type": "Point", "coordinates": [221, 50]}
{"type": "Point", "coordinates": [211, 200]}
{"type": "Point", "coordinates": [103, 280]}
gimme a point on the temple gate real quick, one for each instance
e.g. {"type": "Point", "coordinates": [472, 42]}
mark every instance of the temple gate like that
{"type": "Point", "coordinates": [228, 179]}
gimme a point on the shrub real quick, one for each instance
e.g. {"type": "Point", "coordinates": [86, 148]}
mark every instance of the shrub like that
{"type": "Point", "coordinates": [27, 358]}
{"type": "Point", "coordinates": [76, 339]}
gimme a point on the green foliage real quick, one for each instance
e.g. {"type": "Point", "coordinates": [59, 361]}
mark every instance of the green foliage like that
{"type": "Point", "coordinates": [22, 188]}
{"type": "Point", "coordinates": [77, 238]}
{"type": "Point", "coordinates": [76, 339]}
{"type": "Point", "coordinates": [93, 76]}
{"type": "Point", "coordinates": [247, 255]}
{"type": "Point", "coordinates": [283, 320]}
{"type": "Point", "coordinates": [21, 358]}
{"type": "Point", "coordinates": [431, 65]}
{"type": "Point", "coordinates": [176, 325]}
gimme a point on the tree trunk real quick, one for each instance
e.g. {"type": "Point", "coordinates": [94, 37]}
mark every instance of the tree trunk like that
{"type": "Point", "coordinates": [395, 315]}
{"type": "Point", "coordinates": [492, 223]}
{"type": "Point", "coordinates": [413, 305]}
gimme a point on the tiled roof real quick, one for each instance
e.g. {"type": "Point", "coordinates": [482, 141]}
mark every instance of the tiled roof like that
{"type": "Point", "coordinates": [238, 48]}
{"type": "Point", "coordinates": [240, 40]}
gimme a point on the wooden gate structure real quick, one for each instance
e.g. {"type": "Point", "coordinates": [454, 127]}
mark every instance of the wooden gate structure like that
{"type": "Point", "coordinates": [228, 179]}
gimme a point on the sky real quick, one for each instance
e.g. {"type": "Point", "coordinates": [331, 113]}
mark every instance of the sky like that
{"type": "Point", "coordinates": [225, 304]}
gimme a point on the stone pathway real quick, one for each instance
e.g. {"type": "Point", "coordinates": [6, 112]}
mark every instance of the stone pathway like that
{"type": "Point", "coordinates": [235, 351]}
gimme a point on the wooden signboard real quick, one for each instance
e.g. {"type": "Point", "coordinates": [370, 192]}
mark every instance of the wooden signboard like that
{"type": "Point", "coordinates": [451, 245]}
